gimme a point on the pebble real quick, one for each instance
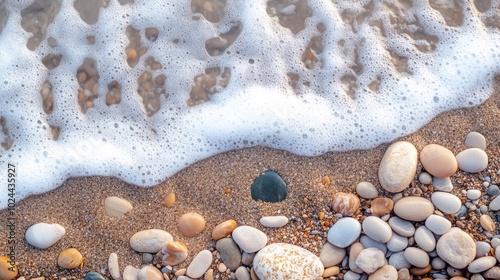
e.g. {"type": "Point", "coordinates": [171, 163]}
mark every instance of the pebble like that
{"type": "Point", "coordinates": [492, 190]}
{"type": "Point", "coordinates": [149, 272]}
{"type": "Point", "coordinates": [487, 223]}
{"type": "Point", "coordinates": [331, 271]}
{"type": "Point", "coordinates": [344, 232]}
{"type": "Point", "coordinates": [169, 200]}
{"type": "Point", "coordinates": [147, 258]}
{"type": "Point", "coordinates": [472, 160]}
{"type": "Point", "coordinates": [200, 264]}
{"type": "Point", "coordinates": [425, 178]}
{"type": "Point", "coordinates": [417, 257]}
{"type": "Point", "coordinates": [425, 239]}
{"type": "Point", "coordinates": [150, 240]}
{"type": "Point", "coordinates": [242, 273]}
{"type": "Point", "coordinates": [446, 202]}
{"type": "Point", "coordinates": [495, 204]}
{"type": "Point", "coordinates": [475, 140]}
{"type": "Point", "coordinates": [113, 267]}
{"type": "Point", "coordinates": [473, 194]}
{"type": "Point", "coordinates": [438, 161]}
{"type": "Point", "coordinates": [116, 207]}
{"type": "Point", "coordinates": [456, 248]}
{"type": "Point", "coordinates": [492, 273]}
{"type": "Point", "coordinates": [331, 255]}
{"type": "Point", "coordinates": [437, 263]}
{"type": "Point", "coordinates": [381, 206]}
{"type": "Point", "coordinates": [92, 275]}
{"type": "Point", "coordinates": [249, 239]}
{"type": "Point", "coordinates": [345, 204]}
{"type": "Point", "coordinates": [70, 258]}
{"type": "Point", "coordinates": [174, 253]}
{"type": "Point", "coordinates": [274, 221]}
{"type": "Point", "coordinates": [370, 243]}
{"type": "Point", "coordinates": [191, 224]}
{"type": "Point", "coordinates": [221, 267]}
{"type": "Point", "coordinates": [419, 271]}
{"type": "Point", "coordinates": [224, 229]}
{"type": "Point", "coordinates": [377, 229]}
{"type": "Point", "coordinates": [8, 270]}
{"type": "Point", "coordinates": [402, 227]}
{"type": "Point", "coordinates": [43, 235]}
{"type": "Point", "coordinates": [398, 166]}
{"type": "Point", "coordinates": [437, 224]}
{"type": "Point", "coordinates": [349, 275]}
{"type": "Point", "coordinates": [404, 274]}
{"type": "Point", "coordinates": [268, 187]}
{"type": "Point", "coordinates": [397, 243]}
{"type": "Point", "coordinates": [366, 190]}
{"type": "Point", "coordinates": [413, 208]}
{"type": "Point", "coordinates": [286, 261]}
{"type": "Point", "coordinates": [130, 273]}
{"type": "Point", "coordinates": [386, 272]}
{"type": "Point", "coordinates": [370, 259]}
{"type": "Point", "coordinates": [354, 251]}
{"type": "Point", "coordinates": [399, 261]}
{"type": "Point", "coordinates": [229, 253]}
{"type": "Point", "coordinates": [482, 248]}
{"type": "Point", "coordinates": [482, 264]}
{"type": "Point", "coordinates": [442, 184]}
{"type": "Point", "coordinates": [247, 258]}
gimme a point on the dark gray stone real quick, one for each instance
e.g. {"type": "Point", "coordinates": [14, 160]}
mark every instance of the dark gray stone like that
{"type": "Point", "coordinates": [92, 275]}
{"type": "Point", "coordinates": [269, 187]}
{"type": "Point", "coordinates": [229, 253]}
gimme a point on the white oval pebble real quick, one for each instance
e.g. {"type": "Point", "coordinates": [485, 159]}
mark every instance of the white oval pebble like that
{"type": "Point", "coordinates": [370, 259]}
{"type": "Point", "coordinates": [113, 267]}
{"type": "Point", "coordinates": [398, 166]}
{"type": "Point", "coordinates": [425, 239]}
{"type": "Point", "coordinates": [437, 263]}
{"type": "Point", "coordinates": [249, 239]}
{"type": "Point", "coordinates": [472, 160]}
{"type": "Point", "coordinates": [481, 264]}
{"type": "Point", "coordinates": [150, 240]}
{"type": "Point", "coordinates": [43, 235]}
{"type": "Point", "coordinates": [482, 248]}
{"type": "Point", "coordinates": [417, 257]}
{"type": "Point", "coordinates": [242, 273]}
{"type": "Point", "coordinates": [344, 232]}
{"type": "Point", "coordinates": [367, 190]}
{"type": "Point", "coordinates": [286, 261]}
{"type": "Point", "coordinates": [149, 272]}
{"type": "Point", "coordinates": [200, 264]}
{"type": "Point", "coordinates": [397, 243]}
{"type": "Point", "coordinates": [413, 208]}
{"type": "Point", "coordinates": [475, 140]}
{"type": "Point", "coordinates": [446, 202]}
{"type": "Point", "coordinates": [437, 224]}
{"type": "Point", "coordinates": [274, 221]}
{"type": "Point", "coordinates": [116, 206]}
{"type": "Point", "coordinates": [377, 229]}
{"type": "Point", "coordinates": [402, 227]}
{"type": "Point", "coordinates": [473, 194]}
{"type": "Point", "coordinates": [331, 255]}
{"type": "Point", "coordinates": [425, 178]}
{"type": "Point", "coordinates": [442, 184]}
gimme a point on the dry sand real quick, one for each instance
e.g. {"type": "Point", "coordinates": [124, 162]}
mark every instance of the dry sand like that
{"type": "Point", "coordinates": [78, 203]}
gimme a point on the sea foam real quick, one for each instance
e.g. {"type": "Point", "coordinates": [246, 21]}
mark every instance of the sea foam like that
{"type": "Point", "coordinates": [305, 76]}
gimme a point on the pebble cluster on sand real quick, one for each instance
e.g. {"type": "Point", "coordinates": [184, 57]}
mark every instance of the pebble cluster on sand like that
{"type": "Point", "coordinates": [404, 235]}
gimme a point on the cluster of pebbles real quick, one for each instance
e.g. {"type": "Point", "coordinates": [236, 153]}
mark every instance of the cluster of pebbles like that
{"type": "Point", "coordinates": [408, 234]}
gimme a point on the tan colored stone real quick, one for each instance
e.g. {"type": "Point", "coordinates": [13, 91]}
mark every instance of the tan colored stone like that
{"type": "Point", "coordinates": [345, 204]}
{"type": "Point", "coordinates": [438, 160]}
{"type": "Point", "coordinates": [331, 271]}
{"type": "Point", "coordinates": [398, 166]}
{"type": "Point", "coordinates": [191, 224]}
{"type": "Point", "coordinates": [419, 271]}
{"type": "Point", "coordinates": [381, 206]}
{"type": "Point", "coordinates": [116, 206]}
{"type": "Point", "coordinates": [174, 253]}
{"type": "Point", "coordinates": [70, 258]}
{"type": "Point", "coordinates": [487, 223]}
{"type": "Point", "coordinates": [8, 268]}
{"type": "Point", "coordinates": [412, 208]}
{"type": "Point", "coordinates": [169, 200]}
{"type": "Point", "coordinates": [224, 229]}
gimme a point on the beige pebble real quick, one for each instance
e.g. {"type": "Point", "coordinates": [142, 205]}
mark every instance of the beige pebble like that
{"type": "Point", "coordinates": [116, 206]}
{"type": "Point", "coordinates": [70, 258]}
{"type": "Point", "coordinates": [398, 166]}
{"type": "Point", "coordinates": [345, 204]}
{"type": "Point", "coordinates": [381, 206]}
{"type": "Point", "coordinates": [113, 267]}
{"type": "Point", "coordinates": [8, 269]}
{"type": "Point", "coordinates": [191, 224]}
{"type": "Point", "coordinates": [331, 271]}
{"type": "Point", "coordinates": [180, 272]}
{"type": "Point", "coordinates": [200, 264]}
{"type": "Point", "coordinates": [415, 209]}
{"type": "Point", "coordinates": [222, 267]}
{"type": "Point", "coordinates": [438, 160]}
{"type": "Point", "coordinates": [209, 275]}
{"type": "Point", "coordinates": [475, 140]}
{"type": "Point", "coordinates": [224, 229]}
{"type": "Point", "coordinates": [487, 223]}
{"type": "Point", "coordinates": [169, 200]}
{"type": "Point", "coordinates": [174, 253]}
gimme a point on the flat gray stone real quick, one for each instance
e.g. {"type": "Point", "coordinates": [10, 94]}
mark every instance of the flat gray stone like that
{"type": "Point", "coordinates": [482, 264]}
{"type": "Point", "coordinates": [229, 253]}
{"type": "Point", "coordinates": [417, 257]}
{"type": "Point", "coordinates": [402, 227]}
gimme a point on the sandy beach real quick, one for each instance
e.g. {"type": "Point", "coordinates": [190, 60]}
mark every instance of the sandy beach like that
{"type": "Point", "coordinates": [219, 189]}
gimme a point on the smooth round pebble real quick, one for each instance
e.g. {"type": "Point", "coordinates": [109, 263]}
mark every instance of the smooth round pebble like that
{"type": "Point", "coordinates": [377, 229]}
{"type": "Point", "coordinates": [397, 243]}
{"type": "Point", "coordinates": [268, 187]}
{"type": "Point", "coordinates": [438, 160]}
{"type": "Point", "coordinates": [92, 275]}
{"type": "Point", "coordinates": [425, 239]}
{"type": "Point", "coordinates": [472, 160]}
{"type": "Point", "coordinates": [487, 223]}
{"type": "Point", "coordinates": [399, 261]}
{"type": "Point", "coordinates": [200, 264]}
{"type": "Point", "coordinates": [286, 261]}
{"type": "Point", "coordinates": [150, 240]}
{"type": "Point", "coordinates": [130, 272]}
{"type": "Point", "coordinates": [386, 272]}
{"type": "Point", "coordinates": [169, 200]}
{"type": "Point", "coordinates": [442, 184]}
{"type": "Point", "coordinates": [229, 253]}
{"type": "Point", "coordinates": [492, 190]}
{"type": "Point", "coordinates": [495, 204]}
{"type": "Point", "coordinates": [456, 248]}
{"type": "Point", "coordinates": [417, 257]}
{"type": "Point", "coordinates": [402, 227]}
{"type": "Point", "coordinates": [354, 251]}
{"type": "Point", "coordinates": [473, 194]}
{"type": "Point", "coordinates": [446, 202]}
{"type": "Point", "coordinates": [370, 259]}
{"type": "Point", "coordinates": [249, 239]}
{"type": "Point", "coordinates": [43, 235]}
{"type": "Point", "coordinates": [349, 275]}
{"type": "Point", "coordinates": [482, 264]}
{"type": "Point", "coordinates": [70, 258]}
{"type": "Point", "coordinates": [242, 273]}
{"type": "Point", "coordinates": [224, 229]}
{"type": "Point", "coordinates": [370, 243]}
{"type": "Point", "coordinates": [381, 206]}
{"type": "Point", "coordinates": [113, 267]}
{"type": "Point", "coordinates": [437, 224]}
{"type": "Point", "coordinates": [437, 263]}
{"type": "Point", "coordinates": [331, 255]}
{"type": "Point", "coordinates": [149, 272]}
{"type": "Point", "coordinates": [345, 204]}
{"type": "Point", "coordinates": [398, 166]}
{"type": "Point", "coordinates": [191, 224]}
{"type": "Point", "coordinates": [492, 273]}
{"type": "Point", "coordinates": [412, 208]}
{"type": "Point", "coordinates": [116, 206]}
{"type": "Point", "coordinates": [482, 248]}
{"type": "Point", "coordinates": [8, 268]}
{"type": "Point", "coordinates": [174, 253]}
{"type": "Point", "coordinates": [274, 221]}
{"type": "Point", "coordinates": [475, 140]}
{"type": "Point", "coordinates": [344, 232]}
{"type": "Point", "coordinates": [366, 190]}
{"type": "Point", "coordinates": [425, 178]}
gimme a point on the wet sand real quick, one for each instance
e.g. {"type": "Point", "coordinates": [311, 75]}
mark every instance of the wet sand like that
{"type": "Point", "coordinates": [201, 187]}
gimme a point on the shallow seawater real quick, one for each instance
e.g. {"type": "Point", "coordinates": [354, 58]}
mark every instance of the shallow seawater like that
{"type": "Point", "coordinates": [140, 89]}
